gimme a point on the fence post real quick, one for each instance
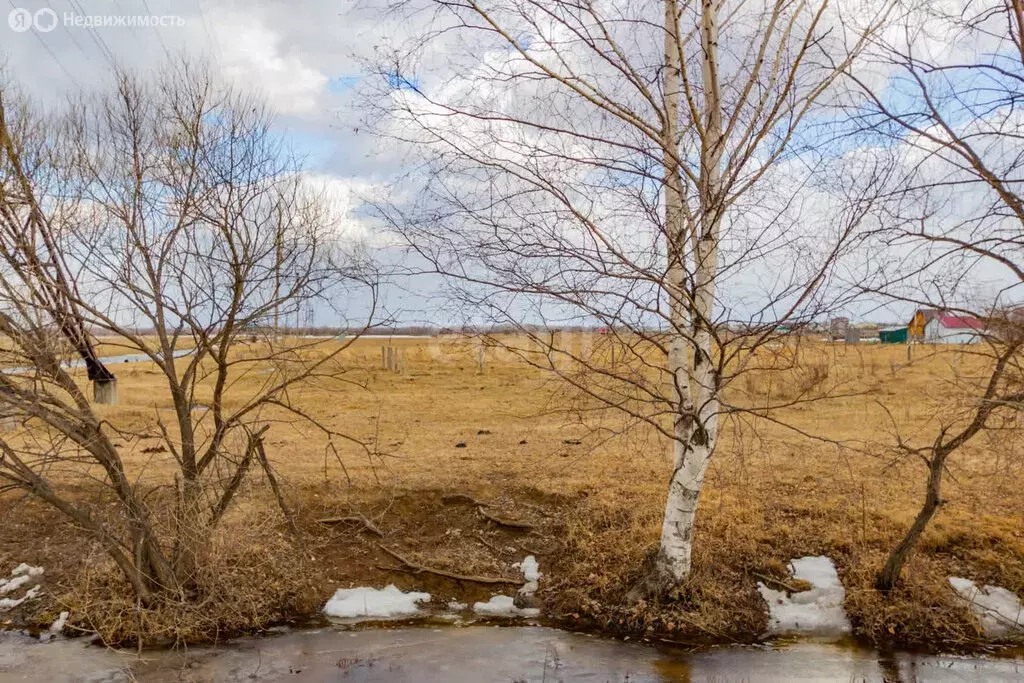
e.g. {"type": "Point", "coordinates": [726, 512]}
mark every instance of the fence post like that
{"type": "Point", "coordinates": [104, 392]}
{"type": "Point", "coordinates": [480, 359]}
{"type": "Point", "coordinates": [383, 362]}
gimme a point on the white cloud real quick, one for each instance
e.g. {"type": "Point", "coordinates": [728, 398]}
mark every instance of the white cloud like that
{"type": "Point", "coordinates": [343, 197]}
{"type": "Point", "coordinates": [251, 56]}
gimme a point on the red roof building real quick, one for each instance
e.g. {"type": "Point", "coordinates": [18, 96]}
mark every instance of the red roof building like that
{"type": "Point", "coordinates": [947, 328]}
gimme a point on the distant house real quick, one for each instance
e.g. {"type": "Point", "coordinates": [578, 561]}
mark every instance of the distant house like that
{"type": "Point", "coordinates": [837, 328]}
{"type": "Point", "coordinates": [893, 335]}
{"type": "Point", "coordinates": [923, 316]}
{"type": "Point", "coordinates": [946, 328]}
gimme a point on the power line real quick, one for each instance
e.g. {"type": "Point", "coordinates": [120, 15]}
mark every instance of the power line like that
{"type": "Point", "coordinates": [135, 34]}
{"type": "Point", "coordinates": [206, 29]}
{"type": "Point", "coordinates": [71, 35]}
{"type": "Point", "coordinates": [145, 3]}
{"type": "Point", "coordinates": [98, 39]}
{"type": "Point", "coordinates": [45, 46]}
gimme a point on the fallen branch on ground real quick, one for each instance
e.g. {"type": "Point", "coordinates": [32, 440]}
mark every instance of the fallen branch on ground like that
{"type": "Point", "coordinates": [417, 568]}
{"type": "Point", "coordinates": [530, 551]}
{"type": "Point", "coordinates": [456, 498]}
{"type": "Point", "coordinates": [778, 582]}
{"type": "Point", "coordinates": [359, 519]}
{"type": "Point", "coordinates": [488, 543]}
{"type": "Point", "coordinates": [512, 524]}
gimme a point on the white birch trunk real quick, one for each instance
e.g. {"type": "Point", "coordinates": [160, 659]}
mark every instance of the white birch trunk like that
{"type": "Point", "coordinates": [696, 425]}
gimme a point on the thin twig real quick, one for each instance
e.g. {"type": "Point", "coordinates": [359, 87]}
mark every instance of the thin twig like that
{"type": "Point", "coordinates": [487, 543]}
{"type": "Point", "coordinates": [359, 519]}
{"type": "Point", "coordinates": [417, 568]}
{"type": "Point", "coordinates": [261, 454]}
{"type": "Point", "coordinates": [778, 582]}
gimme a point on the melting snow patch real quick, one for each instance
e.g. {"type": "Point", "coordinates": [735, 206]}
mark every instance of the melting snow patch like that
{"type": "Point", "coordinates": [531, 570]}
{"type": "Point", "coordinates": [998, 609]}
{"type": "Point", "coordinates": [8, 603]}
{"type": "Point", "coordinates": [818, 611]}
{"type": "Point", "coordinates": [27, 569]}
{"type": "Point", "coordinates": [8, 585]}
{"type": "Point", "coordinates": [22, 574]}
{"type": "Point", "coordinates": [503, 606]}
{"type": "Point", "coordinates": [58, 625]}
{"type": "Point", "coordinates": [531, 574]}
{"type": "Point", "coordinates": [374, 602]}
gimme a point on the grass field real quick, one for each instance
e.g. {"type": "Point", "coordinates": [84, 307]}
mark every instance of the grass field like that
{"type": "Point", "coordinates": [593, 497]}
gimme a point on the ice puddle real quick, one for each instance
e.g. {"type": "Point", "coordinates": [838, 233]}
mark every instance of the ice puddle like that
{"type": "Point", "coordinates": [816, 612]}
{"type": "Point", "coordinates": [997, 609]}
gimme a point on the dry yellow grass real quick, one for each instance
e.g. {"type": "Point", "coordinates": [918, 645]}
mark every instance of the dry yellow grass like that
{"type": "Point", "coordinates": [771, 494]}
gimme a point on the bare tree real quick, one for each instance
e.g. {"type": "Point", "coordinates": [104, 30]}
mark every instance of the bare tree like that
{"type": "Point", "coordinates": [181, 227]}
{"type": "Point", "coordinates": [942, 101]}
{"type": "Point", "coordinates": [648, 168]}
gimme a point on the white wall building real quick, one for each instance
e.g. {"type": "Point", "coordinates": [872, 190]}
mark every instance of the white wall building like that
{"type": "Point", "coordinates": [953, 329]}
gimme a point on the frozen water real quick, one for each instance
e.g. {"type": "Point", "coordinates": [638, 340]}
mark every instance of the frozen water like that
{"type": "Point", "coordinates": [818, 611]}
{"type": "Point", "coordinates": [998, 609]}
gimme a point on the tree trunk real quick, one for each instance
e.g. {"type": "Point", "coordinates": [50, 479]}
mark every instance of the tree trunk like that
{"type": "Point", "coordinates": [696, 428]}
{"type": "Point", "coordinates": [192, 532]}
{"type": "Point", "coordinates": [890, 574]}
{"type": "Point", "coordinates": [674, 556]}
{"type": "Point", "coordinates": [673, 561]}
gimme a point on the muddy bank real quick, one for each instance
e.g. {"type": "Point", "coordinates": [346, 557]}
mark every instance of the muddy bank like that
{"type": "Point", "coordinates": [436, 542]}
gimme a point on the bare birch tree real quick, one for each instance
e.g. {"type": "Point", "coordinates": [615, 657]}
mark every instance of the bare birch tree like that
{"type": "Point", "coordinates": [943, 99]}
{"type": "Point", "coordinates": [644, 167]}
{"type": "Point", "coordinates": [183, 228]}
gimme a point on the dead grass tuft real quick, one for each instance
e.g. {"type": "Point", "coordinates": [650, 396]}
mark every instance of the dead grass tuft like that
{"type": "Point", "coordinates": [609, 549]}
{"type": "Point", "coordinates": [922, 613]}
{"type": "Point", "coordinates": [253, 577]}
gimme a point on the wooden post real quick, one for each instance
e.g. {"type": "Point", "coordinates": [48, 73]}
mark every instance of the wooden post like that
{"type": "Point", "coordinates": [480, 359]}
{"type": "Point", "coordinates": [104, 392]}
{"type": "Point", "coordinates": [383, 362]}
{"type": "Point", "coordinates": [405, 361]}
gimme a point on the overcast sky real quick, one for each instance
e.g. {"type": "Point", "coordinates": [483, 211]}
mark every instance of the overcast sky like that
{"type": "Point", "coordinates": [305, 58]}
{"type": "Point", "coordinates": [302, 59]}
